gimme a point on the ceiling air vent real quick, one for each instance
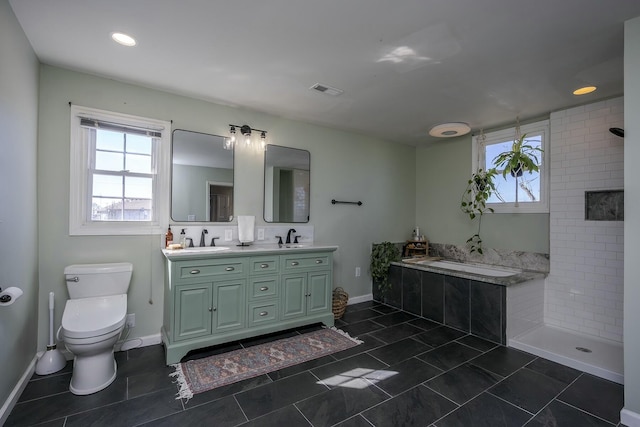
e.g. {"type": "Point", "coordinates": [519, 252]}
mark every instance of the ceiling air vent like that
{"type": "Point", "coordinates": [326, 89]}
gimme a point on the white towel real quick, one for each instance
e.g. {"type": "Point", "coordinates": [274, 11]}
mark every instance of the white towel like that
{"type": "Point", "coordinates": [245, 228]}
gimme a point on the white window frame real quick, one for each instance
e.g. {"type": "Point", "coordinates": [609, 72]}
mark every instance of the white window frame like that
{"type": "Point", "coordinates": [79, 197]}
{"type": "Point", "coordinates": [478, 154]}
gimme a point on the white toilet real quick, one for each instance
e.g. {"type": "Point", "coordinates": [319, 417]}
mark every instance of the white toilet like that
{"type": "Point", "coordinates": [92, 321]}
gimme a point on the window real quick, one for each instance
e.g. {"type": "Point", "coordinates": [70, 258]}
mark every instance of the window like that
{"type": "Point", "coordinates": [119, 173]}
{"type": "Point", "coordinates": [528, 193]}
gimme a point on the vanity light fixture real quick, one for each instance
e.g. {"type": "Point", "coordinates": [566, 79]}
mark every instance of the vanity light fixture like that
{"type": "Point", "coordinates": [246, 130]}
{"type": "Point", "coordinates": [448, 130]}
{"type": "Point", "coordinates": [123, 39]}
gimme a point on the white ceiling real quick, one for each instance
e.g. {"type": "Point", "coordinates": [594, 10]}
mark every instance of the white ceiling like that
{"type": "Point", "coordinates": [404, 65]}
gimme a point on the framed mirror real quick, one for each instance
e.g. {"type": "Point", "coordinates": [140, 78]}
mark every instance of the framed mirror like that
{"type": "Point", "coordinates": [286, 184]}
{"type": "Point", "coordinates": [201, 177]}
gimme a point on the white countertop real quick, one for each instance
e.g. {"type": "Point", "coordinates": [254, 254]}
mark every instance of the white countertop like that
{"type": "Point", "coordinates": [229, 251]}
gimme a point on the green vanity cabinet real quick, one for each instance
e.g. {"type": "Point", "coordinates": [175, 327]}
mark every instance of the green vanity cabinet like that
{"type": "Point", "coordinates": [213, 299]}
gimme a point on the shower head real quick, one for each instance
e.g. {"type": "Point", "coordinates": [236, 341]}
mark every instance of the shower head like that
{"type": "Point", "coordinates": [617, 132]}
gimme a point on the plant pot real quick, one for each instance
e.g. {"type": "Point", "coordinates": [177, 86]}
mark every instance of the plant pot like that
{"type": "Point", "coordinates": [517, 172]}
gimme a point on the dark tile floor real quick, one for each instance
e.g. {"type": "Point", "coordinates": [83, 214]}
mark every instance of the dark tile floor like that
{"type": "Point", "coordinates": [409, 371]}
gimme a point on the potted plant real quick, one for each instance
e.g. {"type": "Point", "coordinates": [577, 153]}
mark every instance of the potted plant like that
{"type": "Point", "coordinates": [474, 202]}
{"type": "Point", "coordinates": [521, 158]}
{"type": "Point", "coordinates": [382, 255]}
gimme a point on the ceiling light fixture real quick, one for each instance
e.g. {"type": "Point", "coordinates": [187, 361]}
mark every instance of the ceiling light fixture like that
{"type": "Point", "coordinates": [584, 90]}
{"type": "Point", "coordinates": [123, 39]}
{"type": "Point", "coordinates": [246, 131]}
{"type": "Point", "coordinates": [448, 130]}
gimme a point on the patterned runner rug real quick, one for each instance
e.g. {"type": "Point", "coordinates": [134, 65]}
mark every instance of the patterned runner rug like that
{"type": "Point", "coordinates": [197, 376]}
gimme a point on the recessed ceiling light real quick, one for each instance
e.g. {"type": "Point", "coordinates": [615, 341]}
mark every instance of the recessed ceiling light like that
{"type": "Point", "coordinates": [448, 130]}
{"type": "Point", "coordinates": [584, 90]}
{"type": "Point", "coordinates": [123, 39]}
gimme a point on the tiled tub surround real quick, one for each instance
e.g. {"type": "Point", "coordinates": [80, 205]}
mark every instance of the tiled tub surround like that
{"type": "Point", "coordinates": [470, 302]}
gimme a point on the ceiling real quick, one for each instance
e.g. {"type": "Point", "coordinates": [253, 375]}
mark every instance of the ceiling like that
{"type": "Point", "coordinates": [404, 65]}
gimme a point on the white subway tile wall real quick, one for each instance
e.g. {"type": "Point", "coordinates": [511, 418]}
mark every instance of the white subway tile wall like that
{"type": "Point", "coordinates": [584, 289]}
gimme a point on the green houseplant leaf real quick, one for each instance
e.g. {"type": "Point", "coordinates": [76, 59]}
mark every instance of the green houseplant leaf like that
{"type": "Point", "coordinates": [382, 255]}
{"type": "Point", "coordinates": [474, 202]}
{"type": "Point", "coordinates": [522, 157]}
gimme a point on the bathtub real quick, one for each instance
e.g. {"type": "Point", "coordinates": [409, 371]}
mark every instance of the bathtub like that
{"type": "Point", "coordinates": [482, 269]}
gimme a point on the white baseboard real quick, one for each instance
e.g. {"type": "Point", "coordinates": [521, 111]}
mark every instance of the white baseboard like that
{"type": "Point", "coordinates": [11, 401]}
{"type": "Point", "coordinates": [359, 299]}
{"type": "Point", "coordinates": [629, 418]}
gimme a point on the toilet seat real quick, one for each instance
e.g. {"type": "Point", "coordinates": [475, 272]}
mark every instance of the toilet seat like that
{"type": "Point", "coordinates": [95, 316]}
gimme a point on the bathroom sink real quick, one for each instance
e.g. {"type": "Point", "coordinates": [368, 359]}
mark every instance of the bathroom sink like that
{"type": "Point", "coordinates": [293, 246]}
{"type": "Point", "coordinates": [204, 249]}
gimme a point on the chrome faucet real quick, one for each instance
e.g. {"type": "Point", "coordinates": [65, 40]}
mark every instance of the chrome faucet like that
{"type": "Point", "coordinates": [291, 230]}
{"type": "Point", "coordinates": [204, 231]}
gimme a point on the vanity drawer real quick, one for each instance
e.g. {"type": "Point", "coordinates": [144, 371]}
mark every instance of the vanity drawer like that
{"type": "Point", "coordinates": [297, 262]}
{"type": "Point", "coordinates": [263, 287]}
{"type": "Point", "coordinates": [222, 267]}
{"type": "Point", "coordinates": [264, 265]}
{"type": "Point", "coordinates": [263, 312]}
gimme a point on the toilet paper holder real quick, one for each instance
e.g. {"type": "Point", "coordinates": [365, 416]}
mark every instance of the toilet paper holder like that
{"type": "Point", "coordinates": [4, 298]}
{"type": "Point", "coordinates": [9, 296]}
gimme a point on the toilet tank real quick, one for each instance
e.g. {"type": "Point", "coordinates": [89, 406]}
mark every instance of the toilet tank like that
{"type": "Point", "coordinates": [96, 280]}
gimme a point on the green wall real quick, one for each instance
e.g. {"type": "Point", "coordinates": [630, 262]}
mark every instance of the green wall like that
{"type": "Point", "coordinates": [344, 166]}
{"type": "Point", "coordinates": [442, 172]}
{"type": "Point", "coordinates": [18, 203]}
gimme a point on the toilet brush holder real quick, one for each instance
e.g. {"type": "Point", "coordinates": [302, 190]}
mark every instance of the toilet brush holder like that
{"type": "Point", "coordinates": [51, 360]}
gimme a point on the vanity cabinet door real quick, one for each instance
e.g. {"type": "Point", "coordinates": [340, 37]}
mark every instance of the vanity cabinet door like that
{"type": "Point", "coordinates": [192, 305]}
{"type": "Point", "coordinates": [294, 288]}
{"type": "Point", "coordinates": [319, 292]}
{"type": "Point", "coordinates": [306, 294]}
{"type": "Point", "coordinates": [229, 305]}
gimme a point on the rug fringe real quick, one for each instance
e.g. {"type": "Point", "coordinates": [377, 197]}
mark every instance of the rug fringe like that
{"type": "Point", "coordinates": [184, 392]}
{"type": "Point", "coordinates": [344, 334]}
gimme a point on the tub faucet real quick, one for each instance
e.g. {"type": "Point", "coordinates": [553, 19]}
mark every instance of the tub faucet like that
{"type": "Point", "coordinates": [291, 230]}
{"type": "Point", "coordinates": [204, 231]}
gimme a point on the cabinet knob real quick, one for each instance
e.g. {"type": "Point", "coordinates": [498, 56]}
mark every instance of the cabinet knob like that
{"type": "Point", "coordinates": [229, 269]}
{"type": "Point", "coordinates": [294, 263]}
{"type": "Point", "coordinates": [318, 261]}
{"type": "Point", "coordinates": [194, 272]}
{"type": "Point", "coordinates": [264, 265]}
{"type": "Point", "coordinates": [213, 308]}
{"type": "Point", "coordinates": [264, 288]}
{"type": "Point", "coordinates": [210, 308]}
{"type": "Point", "coordinates": [263, 313]}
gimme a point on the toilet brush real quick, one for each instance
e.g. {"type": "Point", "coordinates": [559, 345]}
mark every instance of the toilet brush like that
{"type": "Point", "coordinates": [52, 360]}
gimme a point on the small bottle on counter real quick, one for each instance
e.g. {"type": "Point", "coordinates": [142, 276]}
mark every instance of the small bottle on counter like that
{"type": "Point", "coordinates": [168, 237]}
{"type": "Point", "coordinates": [183, 239]}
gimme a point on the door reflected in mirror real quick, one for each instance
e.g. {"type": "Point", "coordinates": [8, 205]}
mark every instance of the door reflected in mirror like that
{"type": "Point", "coordinates": [286, 184]}
{"type": "Point", "coordinates": [201, 178]}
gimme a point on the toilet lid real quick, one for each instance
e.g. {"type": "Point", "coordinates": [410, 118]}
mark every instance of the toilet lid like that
{"type": "Point", "coordinates": [92, 317]}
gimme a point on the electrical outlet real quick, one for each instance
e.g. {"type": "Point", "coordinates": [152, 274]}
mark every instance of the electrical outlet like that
{"type": "Point", "coordinates": [260, 233]}
{"type": "Point", "coordinates": [228, 235]}
{"type": "Point", "coordinates": [357, 271]}
{"type": "Point", "coordinates": [131, 320]}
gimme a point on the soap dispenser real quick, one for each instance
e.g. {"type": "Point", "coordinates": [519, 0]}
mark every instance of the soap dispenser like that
{"type": "Point", "coordinates": [168, 237]}
{"type": "Point", "coordinates": [183, 239]}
